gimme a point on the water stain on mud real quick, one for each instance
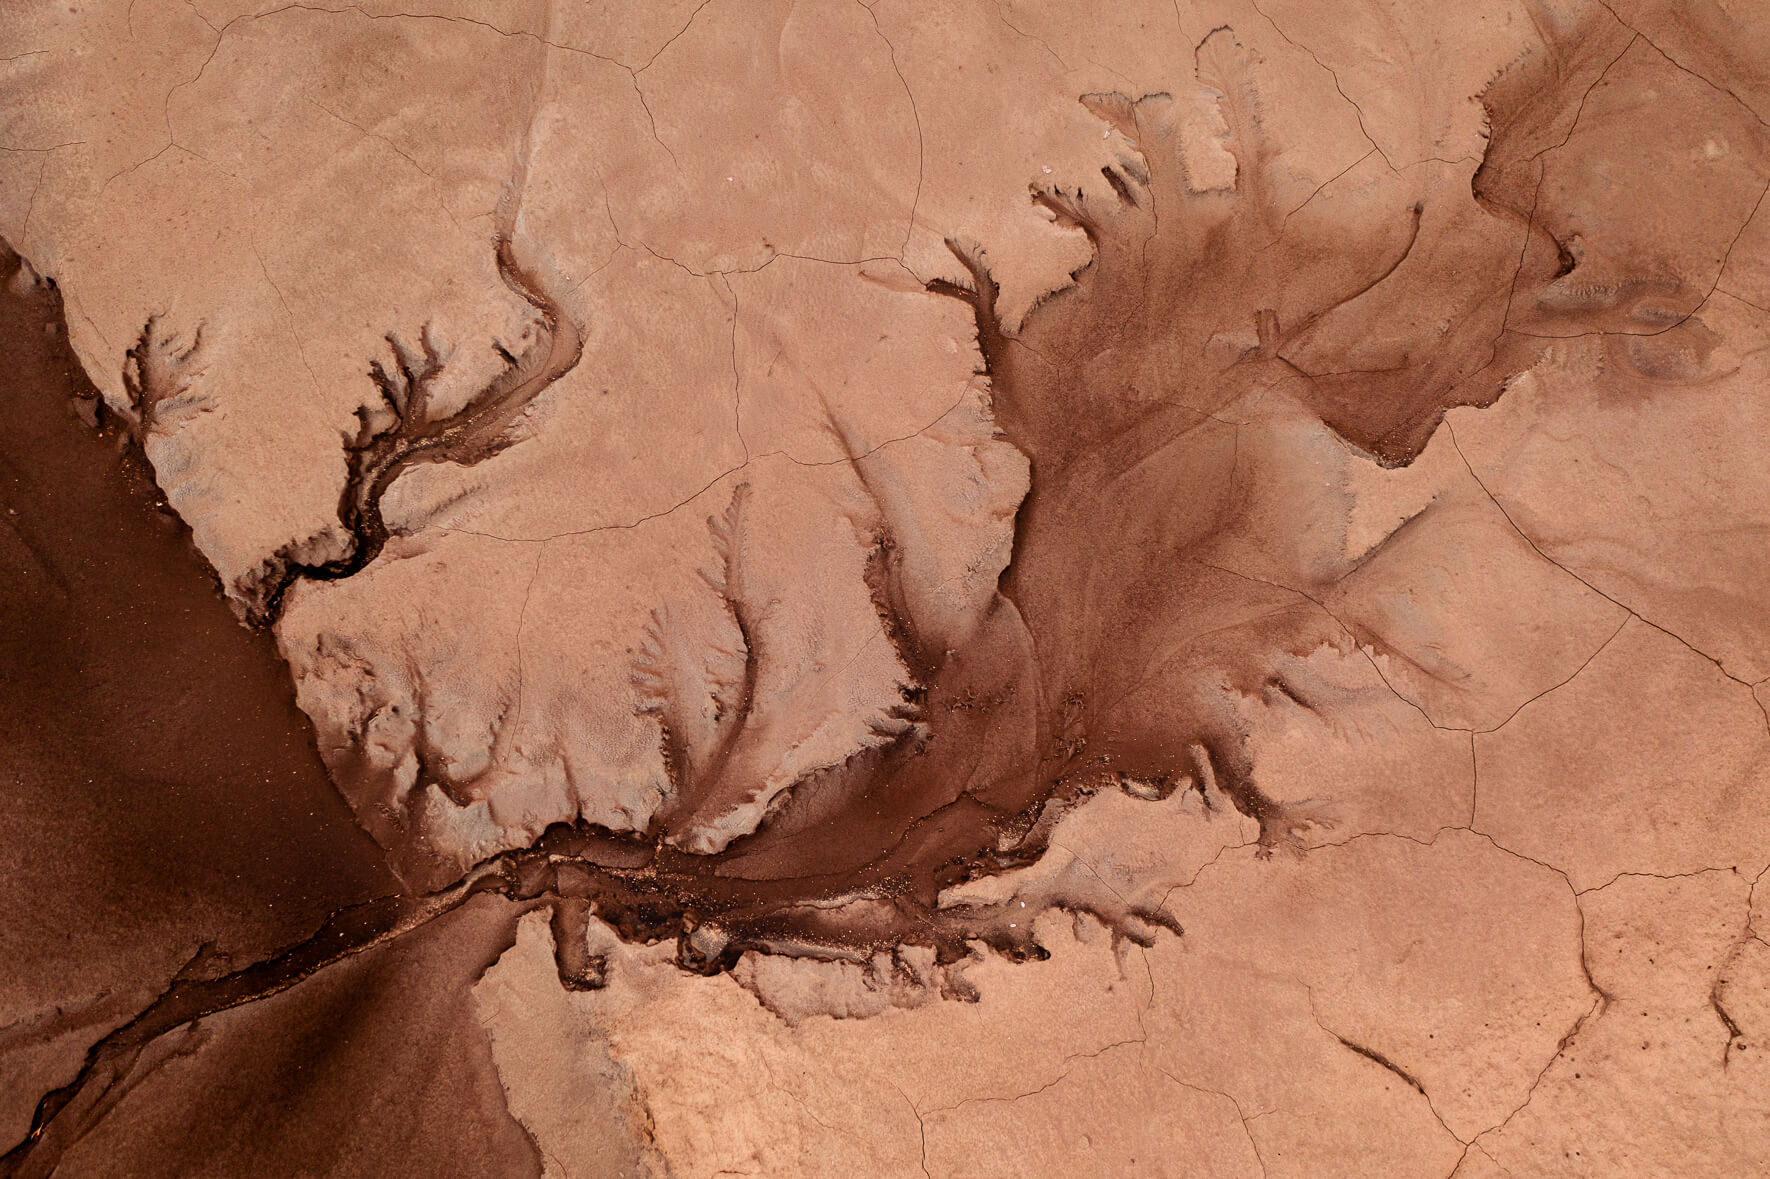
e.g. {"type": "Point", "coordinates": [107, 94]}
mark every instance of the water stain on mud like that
{"type": "Point", "coordinates": [1111, 658]}
{"type": "Point", "coordinates": [1014, 728]}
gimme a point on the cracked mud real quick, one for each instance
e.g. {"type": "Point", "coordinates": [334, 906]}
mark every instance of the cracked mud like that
{"type": "Point", "coordinates": [702, 589]}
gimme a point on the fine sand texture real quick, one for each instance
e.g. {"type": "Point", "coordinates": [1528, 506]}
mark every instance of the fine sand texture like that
{"type": "Point", "coordinates": [807, 588]}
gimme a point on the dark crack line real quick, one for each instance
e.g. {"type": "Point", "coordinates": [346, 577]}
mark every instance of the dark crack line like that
{"type": "Point", "coordinates": [1002, 15]}
{"type": "Point", "coordinates": [1600, 1002]}
{"type": "Point", "coordinates": [1372, 1054]}
{"type": "Point", "coordinates": [1566, 1041]}
{"type": "Point", "coordinates": [49, 148]}
{"type": "Point", "coordinates": [1474, 780]}
{"type": "Point", "coordinates": [1357, 111]}
{"type": "Point", "coordinates": [719, 478]}
{"type": "Point", "coordinates": [1476, 1146]}
{"type": "Point", "coordinates": [737, 379]}
{"type": "Point", "coordinates": [921, 1126]}
{"type": "Point", "coordinates": [1363, 648]}
{"type": "Point", "coordinates": [1536, 197]}
{"type": "Point", "coordinates": [1601, 998]}
{"type": "Point", "coordinates": [774, 255]}
{"type": "Point", "coordinates": [1579, 111]}
{"type": "Point", "coordinates": [1149, 1002]}
{"type": "Point", "coordinates": [1635, 614]}
{"type": "Point", "coordinates": [1242, 1117]}
{"type": "Point", "coordinates": [1066, 1066]}
{"type": "Point", "coordinates": [24, 233]}
{"type": "Point", "coordinates": [601, 266]}
{"type": "Point", "coordinates": [441, 199]}
{"type": "Point", "coordinates": [1704, 79]}
{"type": "Point", "coordinates": [73, 297]}
{"type": "Point", "coordinates": [651, 119]}
{"type": "Point", "coordinates": [1657, 876]}
{"type": "Point", "coordinates": [198, 13]}
{"type": "Point", "coordinates": [499, 755]}
{"type": "Point", "coordinates": [344, 9]}
{"type": "Point", "coordinates": [774, 1083]}
{"type": "Point", "coordinates": [288, 314]}
{"type": "Point", "coordinates": [1308, 200]}
{"type": "Point", "coordinates": [916, 200]}
{"type": "Point", "coordinates": [1734, 1035]}
{"type": "Point", "coordinates": [1210, 863]}
{"type": "Point", "coordinates": [1599, 650]}
{"type": "Point", "coordinates": [1741, 299]}
{"type": "Point", "coordinates": [141, 164]}
{"type": "Point", "coordinates": [652, 60]}
{"type": "Point", "coordinates": [1518, 270]}
{"type": "Point", "coordinates": [357, 10]}
{"type": "Point", "coordinates": [1382, 1061]}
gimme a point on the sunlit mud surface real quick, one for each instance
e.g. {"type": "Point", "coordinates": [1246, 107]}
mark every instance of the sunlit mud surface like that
{"type": "Point", "coordinates": [1002, 589]}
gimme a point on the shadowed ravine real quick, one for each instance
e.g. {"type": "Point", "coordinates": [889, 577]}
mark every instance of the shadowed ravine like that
{"type": "Point", "coordinates": [174, 845]}
{"type": "Point", "coordinates": [1142, 601]}
{"type": "Point", "coordinates": [400, 433]}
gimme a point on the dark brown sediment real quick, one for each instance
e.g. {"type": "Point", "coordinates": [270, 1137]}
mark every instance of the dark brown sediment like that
{"type": "Point", "coordinates": [172, 842]}
{"type": "Point", "coordinates": [1126, 630]}
{"type": "Point", "coordinates": [377, 1066]}
{"type": "Point", "coordinates": [164, 801]}
{"type": "Point", "coordinates": [1026, 716]}
{"type": "Point", "coordinates": [1113, 657]}
{"type": "Point", "coordinates": [170, 734]}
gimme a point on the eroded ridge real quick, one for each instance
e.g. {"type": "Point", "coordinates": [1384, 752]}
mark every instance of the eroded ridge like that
{"type": "Point", "coordinates": [1129, 389]}
{"type": "Point", "coordinates": [1101, 388]}
{"type": "Point", "coordinates": [399, 431]}
{"type": "Point", "coordinates": [835, 743]}
{"type": "Point", "coordinates": [1160, 396]}
{"type": "Point", "coordinates": [1143, 603]}
{"type": "Point", "coordinates": [157, 375]}
{"type": "Point", "coordinates": [1146, 599]}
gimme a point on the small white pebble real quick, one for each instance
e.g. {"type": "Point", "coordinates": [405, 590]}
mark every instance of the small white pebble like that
{"type": "Point", "coordinates": [1011, 925]}
{"type": "Point", "coordinates": [1047, 169]}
